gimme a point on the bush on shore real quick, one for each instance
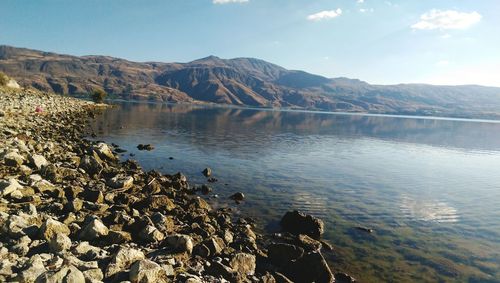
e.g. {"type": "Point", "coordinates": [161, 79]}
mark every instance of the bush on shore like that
{"type": "Point", "coordinates": [99, 95]}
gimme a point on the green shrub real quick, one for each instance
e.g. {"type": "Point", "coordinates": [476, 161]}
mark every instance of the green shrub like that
{"type": "Point", "coordinates": [4, 79]}
{"type": "Point", "coordinates": [98, 95]}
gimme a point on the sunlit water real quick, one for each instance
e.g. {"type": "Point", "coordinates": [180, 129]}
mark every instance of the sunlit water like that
{"type": "Point", "coordinates": [430, 188]}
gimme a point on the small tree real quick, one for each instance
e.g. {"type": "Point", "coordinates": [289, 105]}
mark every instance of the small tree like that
{"type": "Point", "coordinates": [4, 79]}
{"type": "Point", "coordinates": [98, 95]}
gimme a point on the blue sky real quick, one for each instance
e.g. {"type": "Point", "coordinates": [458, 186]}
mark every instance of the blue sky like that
{"type": "Point", "coordinates": [395, 41]}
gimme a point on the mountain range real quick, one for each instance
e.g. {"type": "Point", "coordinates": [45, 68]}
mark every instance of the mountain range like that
{"type": "Point", "coordinates": [240, 81]}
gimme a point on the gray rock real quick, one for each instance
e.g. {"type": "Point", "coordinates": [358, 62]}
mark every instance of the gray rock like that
{"type": "Point", "coordinates": [59, 243]}
{"type": "Point", "coordinates": [180, 243]}
{"type": "Point", "coordinates": [91, 165]}
{"type": "Point", "coordinates": [282, 254]}
{"type": "Point", "coordinates": [151, 234]}
{"type": "Point", "coordinates": [65, 275]}
{"type": "Point", "coordinates": [88, 252]}
{"type": "Point", "coordinates": [122, 260]}
{"type": "Point", "coordinates": [121, 181]}
{"type": "Point", "coordinates": [50, 228]}
{"type": "Point", "coordinates": [7, 187]}
{"type": "Point", "coordinates": [32, 270]}
{"type": "Point", "coordinates": [243, 263]}
{"type": "Point", "coordinates": [38, 161]}
{"type": "Point", "coordinates": [147, 271]}
{"type": "Point", "coordinates": [104, 151]}
{"type": "Point", "coordinates": [93, 230]}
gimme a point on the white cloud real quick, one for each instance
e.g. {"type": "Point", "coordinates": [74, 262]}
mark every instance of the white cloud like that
{"type": "Point", "coordinates": [444, 20]}
{"type": "Point", "coordinates": [361, 1]}
{"type": "Point", "coordinates": [325, 15]}
{"type": "Point", "coordinates": [362, 10]}
{"type": "Point", "coordinates": [228, 1]}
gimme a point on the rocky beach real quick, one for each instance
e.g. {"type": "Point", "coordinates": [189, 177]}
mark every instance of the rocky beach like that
{"type": "Point", "coordinates": [72, 211]}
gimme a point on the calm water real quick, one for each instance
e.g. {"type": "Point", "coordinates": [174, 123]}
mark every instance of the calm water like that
{"type": "Point", "coordinates": [430, 188]}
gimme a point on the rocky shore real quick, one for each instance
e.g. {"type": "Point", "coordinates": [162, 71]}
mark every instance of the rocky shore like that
{"type": "Point", "coordinates": [71, 211]}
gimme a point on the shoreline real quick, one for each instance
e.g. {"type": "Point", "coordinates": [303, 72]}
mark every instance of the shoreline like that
{"type": "Point", "coordinates": [70, 210]}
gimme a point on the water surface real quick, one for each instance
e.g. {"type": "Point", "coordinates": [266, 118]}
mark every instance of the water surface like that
{"type": "Point", "coordinates": [430, 188]}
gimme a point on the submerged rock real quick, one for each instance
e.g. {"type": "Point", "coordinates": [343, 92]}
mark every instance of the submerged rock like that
{"type": "Point", "coordinates": [299, 223]}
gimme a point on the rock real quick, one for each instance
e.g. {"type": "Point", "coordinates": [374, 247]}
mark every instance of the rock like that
{"type": "Point", "coordinates": [147, 271]}
{"type": "Point", "coordinates": [94, 196]}
{"type": "Point", "coordinates": [300, 223]}
{"type": "Point", "coordinates": [239, 196]}
{"type": "Point", "coordinates": [364, 229]}
{"type": "Point", "coordinates": [180, 243]}
{"type": "Point", "coordinates": [22, 246]}
{"type": "Point", "coordinates": [312, 267]}
{"type": "Point", "coordinates": [32, 270]}
{"type": "Point", "coordinates": [151, 234]}
{"type": "Point", "coordinates": [75, 205]}
{"type": "Point", "coordinates": [65, 275]}
{"type": "Point", "coordinates": [207, 172]}
{"type": "Point", "coordinates": [205, 189]}
{"type": "Point", "coordinates": [93, 275]}
{"type": "Point", "coordinates": [118, 237]}
{"type": "Point", "coordinates": [159, 202]}
{"type": "Point", "coordinates": [309, 243]}
{"type": "Point", "coordinates": [50, 228]}
{"type": "Point", "coordinates": [281, 254]}
{"type": "Point", "coordinates": [215, 245]}
{"type": "Point", "coordinates": [13, 159]}
{"type": "Point", "coordinates": [7, 187]}
{"type": "Point", "coordinates": [59, 243]}
{"type": "Point", "coordinates": [88, 252]}
{"type": "Point", "coordinates": [243, 263]}
{"type": "Point", "coordinates": [93, 230]}
{"type": "Point", "coordinates": [147, 147]}
{"type": "Point", "coordinates": [122, 260]}
{"type": "Point", "coordinates": [38, 161]}
{"type": "Point", "coordinates": [104, 151]}
{"type": "Point", "coordinates": [344, 278]}
{"type": "Point", "coordinates": [91, 165]}
{"type": "Point", "coordinates": [121, 182]}
{"type": "Point", "coordinates": [218, 269]}
{"type": "Point", "coordinates": [17, 226]}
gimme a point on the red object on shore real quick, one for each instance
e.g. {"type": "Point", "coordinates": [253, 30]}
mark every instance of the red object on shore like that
{"type": "Point", "coordinates": [38, 109]}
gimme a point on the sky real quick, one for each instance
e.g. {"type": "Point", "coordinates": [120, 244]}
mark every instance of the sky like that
{"type": "Point", "coordinates": [378, 41]}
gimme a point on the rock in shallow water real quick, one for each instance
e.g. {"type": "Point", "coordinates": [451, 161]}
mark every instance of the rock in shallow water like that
{"type": "Point", "coordinates": [299, 223]}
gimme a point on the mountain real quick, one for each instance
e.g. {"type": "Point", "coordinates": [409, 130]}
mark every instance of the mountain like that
{"type": "Point", "coordinates": [240, 81]}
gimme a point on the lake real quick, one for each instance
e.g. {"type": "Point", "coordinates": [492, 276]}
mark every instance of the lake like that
{"type": "Point", "coordinates": [428, 187]}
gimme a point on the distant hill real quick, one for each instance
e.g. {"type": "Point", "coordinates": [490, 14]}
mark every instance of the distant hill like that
{"type": "Point", "coordinates": [240, 81]}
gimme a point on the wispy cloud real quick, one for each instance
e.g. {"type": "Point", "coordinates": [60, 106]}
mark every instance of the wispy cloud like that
{"type": "Point", "coordinates": [360, 1]}
{"type": "Point", "coordinates": [445, 20]}
{"type": "Point", "coordinates": [325, 15]}
{"type": "Point", "coordinates": [363, 10]}
{"type": "Point", "coordinates": [228, 1]}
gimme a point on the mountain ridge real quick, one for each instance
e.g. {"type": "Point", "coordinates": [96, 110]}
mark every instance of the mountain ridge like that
{"type": "Point", "coordinates": [240, 81]}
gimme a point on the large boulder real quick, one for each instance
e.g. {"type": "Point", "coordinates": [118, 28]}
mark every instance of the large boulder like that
{"type": "Point", "coordinates": [281, 254]}
{"type": "Point", "coordinates": [299, 223]}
